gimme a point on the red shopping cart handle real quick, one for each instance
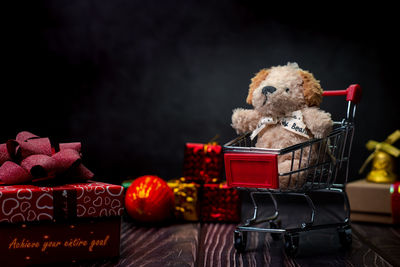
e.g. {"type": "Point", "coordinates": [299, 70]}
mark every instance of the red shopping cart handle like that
{"type": "Point", "coordinates": [353, 93]}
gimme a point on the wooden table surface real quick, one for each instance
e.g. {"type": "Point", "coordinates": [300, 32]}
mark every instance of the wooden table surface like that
{"type": "Point", "coordinates": [211, 244]}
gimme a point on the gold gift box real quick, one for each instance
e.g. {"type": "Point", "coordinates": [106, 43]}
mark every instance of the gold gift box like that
{"type": "Point", "coordinates": [186, 199]}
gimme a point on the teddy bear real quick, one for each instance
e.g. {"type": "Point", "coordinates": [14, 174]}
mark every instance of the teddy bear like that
{"type": "Point", "coordinates": [285, 112]}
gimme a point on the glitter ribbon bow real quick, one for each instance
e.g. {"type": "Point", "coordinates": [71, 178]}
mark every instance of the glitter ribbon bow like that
{"type": "Point", "coordinates": [385, 146]}
{"type": "Point", "coordinates": [32, 158]}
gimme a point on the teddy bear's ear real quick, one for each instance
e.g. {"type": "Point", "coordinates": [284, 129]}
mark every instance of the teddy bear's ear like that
{"type": "Point", "coordinates": [312, 89]}
{"type": "Point", "coordinates": [255, 82]}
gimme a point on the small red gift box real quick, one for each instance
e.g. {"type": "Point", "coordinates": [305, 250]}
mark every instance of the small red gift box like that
{"type": "Point", "coordinates": [220, 203]}
{"type": "Point", "coordinates": [28, 203]}
{"type": "Point", "coordinates": [203, 163]}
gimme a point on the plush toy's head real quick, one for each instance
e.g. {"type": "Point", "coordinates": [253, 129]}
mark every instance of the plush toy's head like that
{"type": "Point", "coordinates": [279, 90]}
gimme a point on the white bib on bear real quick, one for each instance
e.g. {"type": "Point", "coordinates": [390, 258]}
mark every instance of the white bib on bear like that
{"type": "Point", "coordinates": [293, 123]}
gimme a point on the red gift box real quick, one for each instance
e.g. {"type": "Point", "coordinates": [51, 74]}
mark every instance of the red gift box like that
{"type": "Point", "coordinates": [23, 244]}
{"type": "Point", "coordinates": [28, 203]}
{"type": "Point", "coordinates": [220, 203]}
{"type": "Point", "coordinates": [203, 163]}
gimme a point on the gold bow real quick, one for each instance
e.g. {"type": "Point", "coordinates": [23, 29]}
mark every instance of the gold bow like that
{"type": "Point", "coordinates": [385, 146]}
{"type": "Point", "coordinates": [211, 143]}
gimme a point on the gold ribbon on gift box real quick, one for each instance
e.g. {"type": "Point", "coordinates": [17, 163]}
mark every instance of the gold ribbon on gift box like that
{"type": "Point", "coordinates": [382, 159]}
{"type": "Point", "coordinates": [208, 145]}
{"type": "Point", "coordinates": [211, 143]}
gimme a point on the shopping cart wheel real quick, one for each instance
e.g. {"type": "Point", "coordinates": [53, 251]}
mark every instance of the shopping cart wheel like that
{"type": "Point", "coordinates": [291, 244]}
{"type": "Point", "coordinates": [275, 225]}
{"type": "Point", "coordinates": [240, 240]}
{"type": "Point", "coordinates": [345, 236]}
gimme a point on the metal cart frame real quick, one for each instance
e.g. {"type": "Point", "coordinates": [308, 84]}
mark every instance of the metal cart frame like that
{"type": "Point", "coordinates": [323, 174]}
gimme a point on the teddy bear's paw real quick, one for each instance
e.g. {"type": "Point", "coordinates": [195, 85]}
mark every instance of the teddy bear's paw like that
{"type": "Point", "coordinates": [318, 122]}
{"type": "Point", "coordinates": [244, 120]}
{"type": "Point", "coordinates": [323, 129]}
{"type": "Point", "coordinates": [319, 135]}
{"type": "Point", "coordinates": [238, 121]}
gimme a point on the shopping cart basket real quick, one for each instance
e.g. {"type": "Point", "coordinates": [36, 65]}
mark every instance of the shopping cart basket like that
{"type": "Point", "coordinates": [256, 171]}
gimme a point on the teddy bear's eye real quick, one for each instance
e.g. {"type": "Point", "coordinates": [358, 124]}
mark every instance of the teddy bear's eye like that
{"type": "Point", "coordinates": [287, 90]}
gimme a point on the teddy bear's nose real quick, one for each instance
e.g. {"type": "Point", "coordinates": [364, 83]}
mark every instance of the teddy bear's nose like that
{"type": "Point", "coordinates": [268, 89]}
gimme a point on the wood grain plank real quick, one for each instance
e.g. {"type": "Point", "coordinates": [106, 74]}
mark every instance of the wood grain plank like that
{"type": "Point", "coordinates": [216, 247]}
{"type": "Point", "coordinates": [384, 239]}
{"type": "Point", "coordinates": [174, 244]}
{"type": "Point", "coordinates": [321, 248]}
{"type": "Point", "coordinates": [317, 248]}
{"type": "Point", "coordinates": [211, 244]}
{"type": "Point", "coordinates": [169, 245]}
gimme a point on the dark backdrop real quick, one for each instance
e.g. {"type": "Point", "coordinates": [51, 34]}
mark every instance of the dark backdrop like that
{"type": "Point", "coordinates": [135, 80]}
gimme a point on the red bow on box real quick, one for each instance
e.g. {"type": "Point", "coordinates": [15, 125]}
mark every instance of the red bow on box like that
{"type": "Point", "coordinates": [32, 158]}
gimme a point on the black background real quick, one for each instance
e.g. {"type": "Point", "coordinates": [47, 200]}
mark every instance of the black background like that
{"type": "Point", "coordinates": [136, 80]}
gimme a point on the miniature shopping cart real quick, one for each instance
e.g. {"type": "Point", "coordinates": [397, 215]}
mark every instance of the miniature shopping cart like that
{"type": "Point", "coordinates": [256, 171]}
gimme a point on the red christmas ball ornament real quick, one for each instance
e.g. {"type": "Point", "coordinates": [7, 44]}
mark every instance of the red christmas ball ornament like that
{"type": "Point", "coordinates": [149, 199]}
